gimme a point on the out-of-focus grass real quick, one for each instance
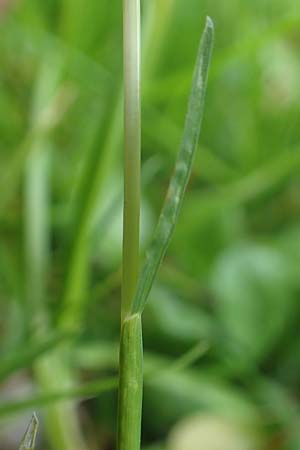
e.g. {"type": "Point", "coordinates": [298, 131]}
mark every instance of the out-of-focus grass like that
{"type": "Point", "coordinates": [230, 281]}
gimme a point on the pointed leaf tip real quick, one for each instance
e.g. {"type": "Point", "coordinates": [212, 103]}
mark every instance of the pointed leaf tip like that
{"type": "Point", "coordinates": [28, 440]}
{"type": "Point", "coordinates": [179, 180]}
{"type": "Point", "coordinates": [209, 22]}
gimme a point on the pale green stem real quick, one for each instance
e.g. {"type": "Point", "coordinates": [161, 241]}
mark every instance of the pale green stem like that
{"type": "Point", "coordinates": [132, 149]}
{"type": "Point", "coordinates": [131, 350]}
{"type": "Point", "coordinates": [156, 18]}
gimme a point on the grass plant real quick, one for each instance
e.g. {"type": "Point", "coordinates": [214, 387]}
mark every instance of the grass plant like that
{"type": "Point", "coordinates": [134, 292]}
{"type": "Point", "coordinates": [215, 330]}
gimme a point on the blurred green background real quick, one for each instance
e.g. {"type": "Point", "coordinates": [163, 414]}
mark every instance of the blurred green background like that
{"type": "Point", "coordinates": [221, 332]}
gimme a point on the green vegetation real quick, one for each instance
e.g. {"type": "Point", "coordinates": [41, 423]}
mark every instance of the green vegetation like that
{"type": "Point", "coordinates": [220, 329]}
{"type": "Point", "coordinates": [28, 441]}
{"type": "Point", "coordinates": [135, 288]}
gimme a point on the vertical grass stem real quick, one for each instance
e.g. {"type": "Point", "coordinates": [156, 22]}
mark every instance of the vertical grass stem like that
{"type": "Point", "coordinates": [132, 149]}
{"type": "Point", "coordinates": [131, 352]}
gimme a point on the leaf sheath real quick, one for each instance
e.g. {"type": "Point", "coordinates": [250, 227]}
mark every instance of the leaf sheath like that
{"type": "Point", "coordinates": [130, 384]}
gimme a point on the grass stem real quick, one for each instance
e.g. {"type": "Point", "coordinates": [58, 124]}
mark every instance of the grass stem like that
{"type": "Point", "coordinates": [132, 149]}
{"type": "Point", "coordinates": [131, 351]}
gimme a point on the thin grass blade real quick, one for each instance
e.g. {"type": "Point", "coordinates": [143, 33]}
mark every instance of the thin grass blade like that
{"type": "Point", "coordinates": [28, 441]}
{"type": "Point", "coordinates": [169, 215]}
{"type": "Point", "coordinates": [28, 353]}
{"type": "Point", "coordinates": [84, 391]}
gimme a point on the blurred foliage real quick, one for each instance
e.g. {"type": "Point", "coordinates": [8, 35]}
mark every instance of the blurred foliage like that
{"type": "Point", "coordinates": [230, 282]}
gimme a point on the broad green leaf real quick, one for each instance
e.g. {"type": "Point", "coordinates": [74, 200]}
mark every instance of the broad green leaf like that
{"type": "Point", "coordinates": [254, 299]}
{"type": "Point", "coordinates": [186, 324]}
{"type": "Point", "coordinates": [180, 178]}
{"type": "Point", "coordinates": [173, 394]}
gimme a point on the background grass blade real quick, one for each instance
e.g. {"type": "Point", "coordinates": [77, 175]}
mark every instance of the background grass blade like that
{"type": "Point", "coordinates": [27, 354]}
{"type": "Point", "coordinates": [60, 421]}
{"type": "Point", "coordinates": [179, 180]}
{"type": "Point", "coordinates": [43, 400]}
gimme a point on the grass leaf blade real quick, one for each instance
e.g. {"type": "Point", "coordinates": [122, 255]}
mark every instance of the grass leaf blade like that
{"type": "Point", "coordinates": [28, 441]}
{"type": "Point", "coordinates": [170, 211]}
{"type": "Point", "coordinates": [25, 355]}
{"type": "Point", "coordinates": [41, 400]}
